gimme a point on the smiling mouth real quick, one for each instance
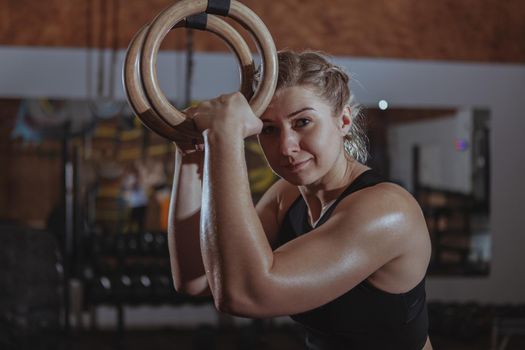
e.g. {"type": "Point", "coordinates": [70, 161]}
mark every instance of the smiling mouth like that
{"type": "Point", "coordinates": [297, 166]}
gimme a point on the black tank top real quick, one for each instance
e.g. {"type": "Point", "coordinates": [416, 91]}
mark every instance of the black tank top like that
{"type": "Point", "coordinates": [365, 317]}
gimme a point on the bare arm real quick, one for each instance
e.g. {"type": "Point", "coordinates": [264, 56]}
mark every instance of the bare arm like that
{"type": "Point", "coordinates": [227, 217]}
{"type": "Point", "coordinates": [367, 231]}
{"type": "Point", "coordinates": [247, 278]}
{"type": "Point", "coordinates": [183, 225]}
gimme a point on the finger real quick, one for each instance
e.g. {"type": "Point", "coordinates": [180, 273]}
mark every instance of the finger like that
{"type": "Point", "coordinates": [190, 112]}
{"type": "Point", "coordinates": [224, 98]}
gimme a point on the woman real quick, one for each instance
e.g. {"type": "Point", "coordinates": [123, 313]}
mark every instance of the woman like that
{"type": "Point", "coordinates": [331, 243]}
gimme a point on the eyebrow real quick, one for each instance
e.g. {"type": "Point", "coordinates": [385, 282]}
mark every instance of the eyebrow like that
{"type": "Point", "coordinates": [293, 113]}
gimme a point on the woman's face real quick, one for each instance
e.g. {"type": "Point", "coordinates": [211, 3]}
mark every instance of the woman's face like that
{"type": "Point", "coordinates": [301, 138]}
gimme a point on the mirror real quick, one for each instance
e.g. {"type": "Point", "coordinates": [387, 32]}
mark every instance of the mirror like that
{"type": "Point", "coordinates": [441, 156]}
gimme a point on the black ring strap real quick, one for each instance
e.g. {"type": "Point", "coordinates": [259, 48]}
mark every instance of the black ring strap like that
{"type": "Point", "coordinates": [198, 21]}
{"type": "Point", "coordinates": [218, 7]}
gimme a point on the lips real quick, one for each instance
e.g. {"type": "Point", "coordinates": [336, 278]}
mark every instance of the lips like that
{"type": "Point", "coordinates": [297, 165]}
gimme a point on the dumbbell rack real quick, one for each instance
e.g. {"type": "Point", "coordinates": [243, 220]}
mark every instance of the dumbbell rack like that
{"type": "Point", "coordinates": [448, 216]}
{"type": "Point", "coordinates": [467, 321]}
{"type": "Point", "coordinates": [130, 269]}
{"type": "Point", "coordinates": [503, 329]}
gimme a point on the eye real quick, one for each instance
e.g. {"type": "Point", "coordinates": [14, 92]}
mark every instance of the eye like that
{"type": "Point", "coordinates": [302, 122]}
{"type": "Point", "coordinates": [268, 129]}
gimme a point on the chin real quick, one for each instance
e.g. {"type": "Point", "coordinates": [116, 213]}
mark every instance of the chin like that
{"type": "Point", "coordinates": [296, 179]}
{"type": "Point", "coordinates": [301, 178]}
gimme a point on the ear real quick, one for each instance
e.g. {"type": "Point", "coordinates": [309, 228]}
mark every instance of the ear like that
{"type": "Point", "coordinates": [345, 120]}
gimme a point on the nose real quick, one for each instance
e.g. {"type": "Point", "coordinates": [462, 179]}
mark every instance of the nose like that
{"type": "Point", "coordinates": [289, 143]}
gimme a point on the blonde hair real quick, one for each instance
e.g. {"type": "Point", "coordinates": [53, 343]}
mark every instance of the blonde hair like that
{"type": "Point", "coordinates": [330, 82]}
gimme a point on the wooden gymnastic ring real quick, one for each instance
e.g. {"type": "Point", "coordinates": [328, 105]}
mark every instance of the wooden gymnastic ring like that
{"type": "Point", "coordinates": [174, 14]}
{"type": "Point", "coordinates": [140, 103]}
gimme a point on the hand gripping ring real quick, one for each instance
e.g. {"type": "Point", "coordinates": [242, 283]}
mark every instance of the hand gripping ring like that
{"type": "Point", "coordinates": [140, 77]}
{"type": "Point", "coordinates": [140, 103]}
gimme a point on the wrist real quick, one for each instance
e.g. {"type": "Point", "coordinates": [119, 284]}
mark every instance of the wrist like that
{"type": "Point", "coordinates": [227, 138]}
{"type": "Point", "coordinates": [226, 127]}
{"type": "Point", "coordinates": [192, 157]}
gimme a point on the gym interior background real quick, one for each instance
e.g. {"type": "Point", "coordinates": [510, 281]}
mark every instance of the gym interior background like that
{"type": "Point", "coordinates": [84, 186]}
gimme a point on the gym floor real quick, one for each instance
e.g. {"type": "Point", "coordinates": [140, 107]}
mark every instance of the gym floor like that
{"type": "Point", "coordinates": [283, 338]}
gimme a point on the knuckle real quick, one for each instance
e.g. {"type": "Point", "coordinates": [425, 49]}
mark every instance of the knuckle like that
{"type": "Point", "coordinates": [238, 95]}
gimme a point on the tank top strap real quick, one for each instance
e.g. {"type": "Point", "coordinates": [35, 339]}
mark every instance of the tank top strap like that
{"type": "Point", "coordinates": [296, 221]}
{"type": "Point", "coordinates": [368, 178]}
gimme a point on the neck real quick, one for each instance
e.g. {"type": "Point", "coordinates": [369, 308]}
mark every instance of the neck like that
{"type": "Point", "coordinates": [321, 194]}
{"type": "Point", "coordinates": [327, 188]}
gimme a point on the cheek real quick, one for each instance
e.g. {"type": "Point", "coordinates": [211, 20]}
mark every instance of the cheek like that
{"type": "Point", "coordinates": [264, 143]}
{"type": "Point", "coordinates": [326, 146]}
{"type": "Point", "coordinates": [268, 149]}
{"type": "Point", "coordinates": [272, 159]}
{"type": "Point", "coordinates": [320, 140]}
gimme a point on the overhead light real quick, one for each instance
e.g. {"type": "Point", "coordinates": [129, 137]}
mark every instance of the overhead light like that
{"type": "Point", "coordinates": [383, 105]}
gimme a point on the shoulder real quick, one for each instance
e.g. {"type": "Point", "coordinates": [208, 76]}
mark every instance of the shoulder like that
{"type": "Point", "coordinates": [383, 198]}
{"type": "Point", "coordinates": [385, 209]}
{"type": "Point", "coordinates": [391, 196]}
{"type": "Point", "coordinates": [390, 218]}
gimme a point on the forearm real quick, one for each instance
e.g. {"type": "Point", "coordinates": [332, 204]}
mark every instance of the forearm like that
{"type": "Point", "coordinates": [235, 250]}
{"type": "Point", "coordinates": [183, 226]}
